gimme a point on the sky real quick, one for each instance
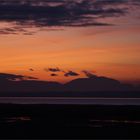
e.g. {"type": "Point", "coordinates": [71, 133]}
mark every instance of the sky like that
{"type": "Point", "coordinates": [57, 40]}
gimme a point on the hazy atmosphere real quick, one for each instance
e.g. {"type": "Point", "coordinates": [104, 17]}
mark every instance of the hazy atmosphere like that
{"type": "Point", "coordinates": [69, 69]}
{"type": "Point", "coordinates": [61, 40]}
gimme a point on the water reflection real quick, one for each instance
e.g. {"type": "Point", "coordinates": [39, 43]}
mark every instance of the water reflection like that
{"type": "Point", "coordinates": [17, 119]}
{"type": "Point", "coordinates": [103, 123]}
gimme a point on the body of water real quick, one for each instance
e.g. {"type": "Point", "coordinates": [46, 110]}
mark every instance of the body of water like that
{"type": "Point", "coordinates": [70, 100]}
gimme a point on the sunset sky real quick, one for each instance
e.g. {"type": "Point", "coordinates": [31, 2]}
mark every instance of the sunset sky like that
{"type": "Point", "coordinates": [56, 40]}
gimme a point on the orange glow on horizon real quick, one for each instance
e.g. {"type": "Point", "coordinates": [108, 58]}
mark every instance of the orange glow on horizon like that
{"type": "Point", "coordinates": [110, 52]}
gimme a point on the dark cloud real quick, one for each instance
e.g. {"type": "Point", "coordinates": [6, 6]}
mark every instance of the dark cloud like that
{"type": "Point", "coordinates": [53, 74]}
{"type": "Point", "coordinates": [71, 73]}
{"type": "Point", "coordinates": [31, 69]}
{"type": "Point", "coordinates": [56, 13]}
{"type": "Point", "coordinates": [30, 78]}
{"type": "Point", "coordinates": [89, 74]}
{"type": "Point", "coordinates": [52, 69]}
{"type": "Point", "coordinates": [16, 30]}
{"type": "Point", "coordinates": [14, 77]}
{"type": "Point", "coordinates": [4, 76]}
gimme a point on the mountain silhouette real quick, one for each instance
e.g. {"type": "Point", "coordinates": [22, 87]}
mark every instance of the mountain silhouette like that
{"type": "Point", "coordinates": [18, 85]}
{"type": "Point", "coordinates": [96, 84]}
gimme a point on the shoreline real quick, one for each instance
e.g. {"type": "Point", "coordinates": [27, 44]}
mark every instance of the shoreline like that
{"type": "Point", "coordinates": [70, 100]}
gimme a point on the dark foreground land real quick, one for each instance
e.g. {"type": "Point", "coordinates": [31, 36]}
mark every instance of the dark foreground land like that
{"type": "Point", "coordinates": [69, 121]}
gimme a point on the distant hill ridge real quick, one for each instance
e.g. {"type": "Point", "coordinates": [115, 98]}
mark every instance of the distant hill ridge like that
{"type": "Point", "coordinates": [19, 84]}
